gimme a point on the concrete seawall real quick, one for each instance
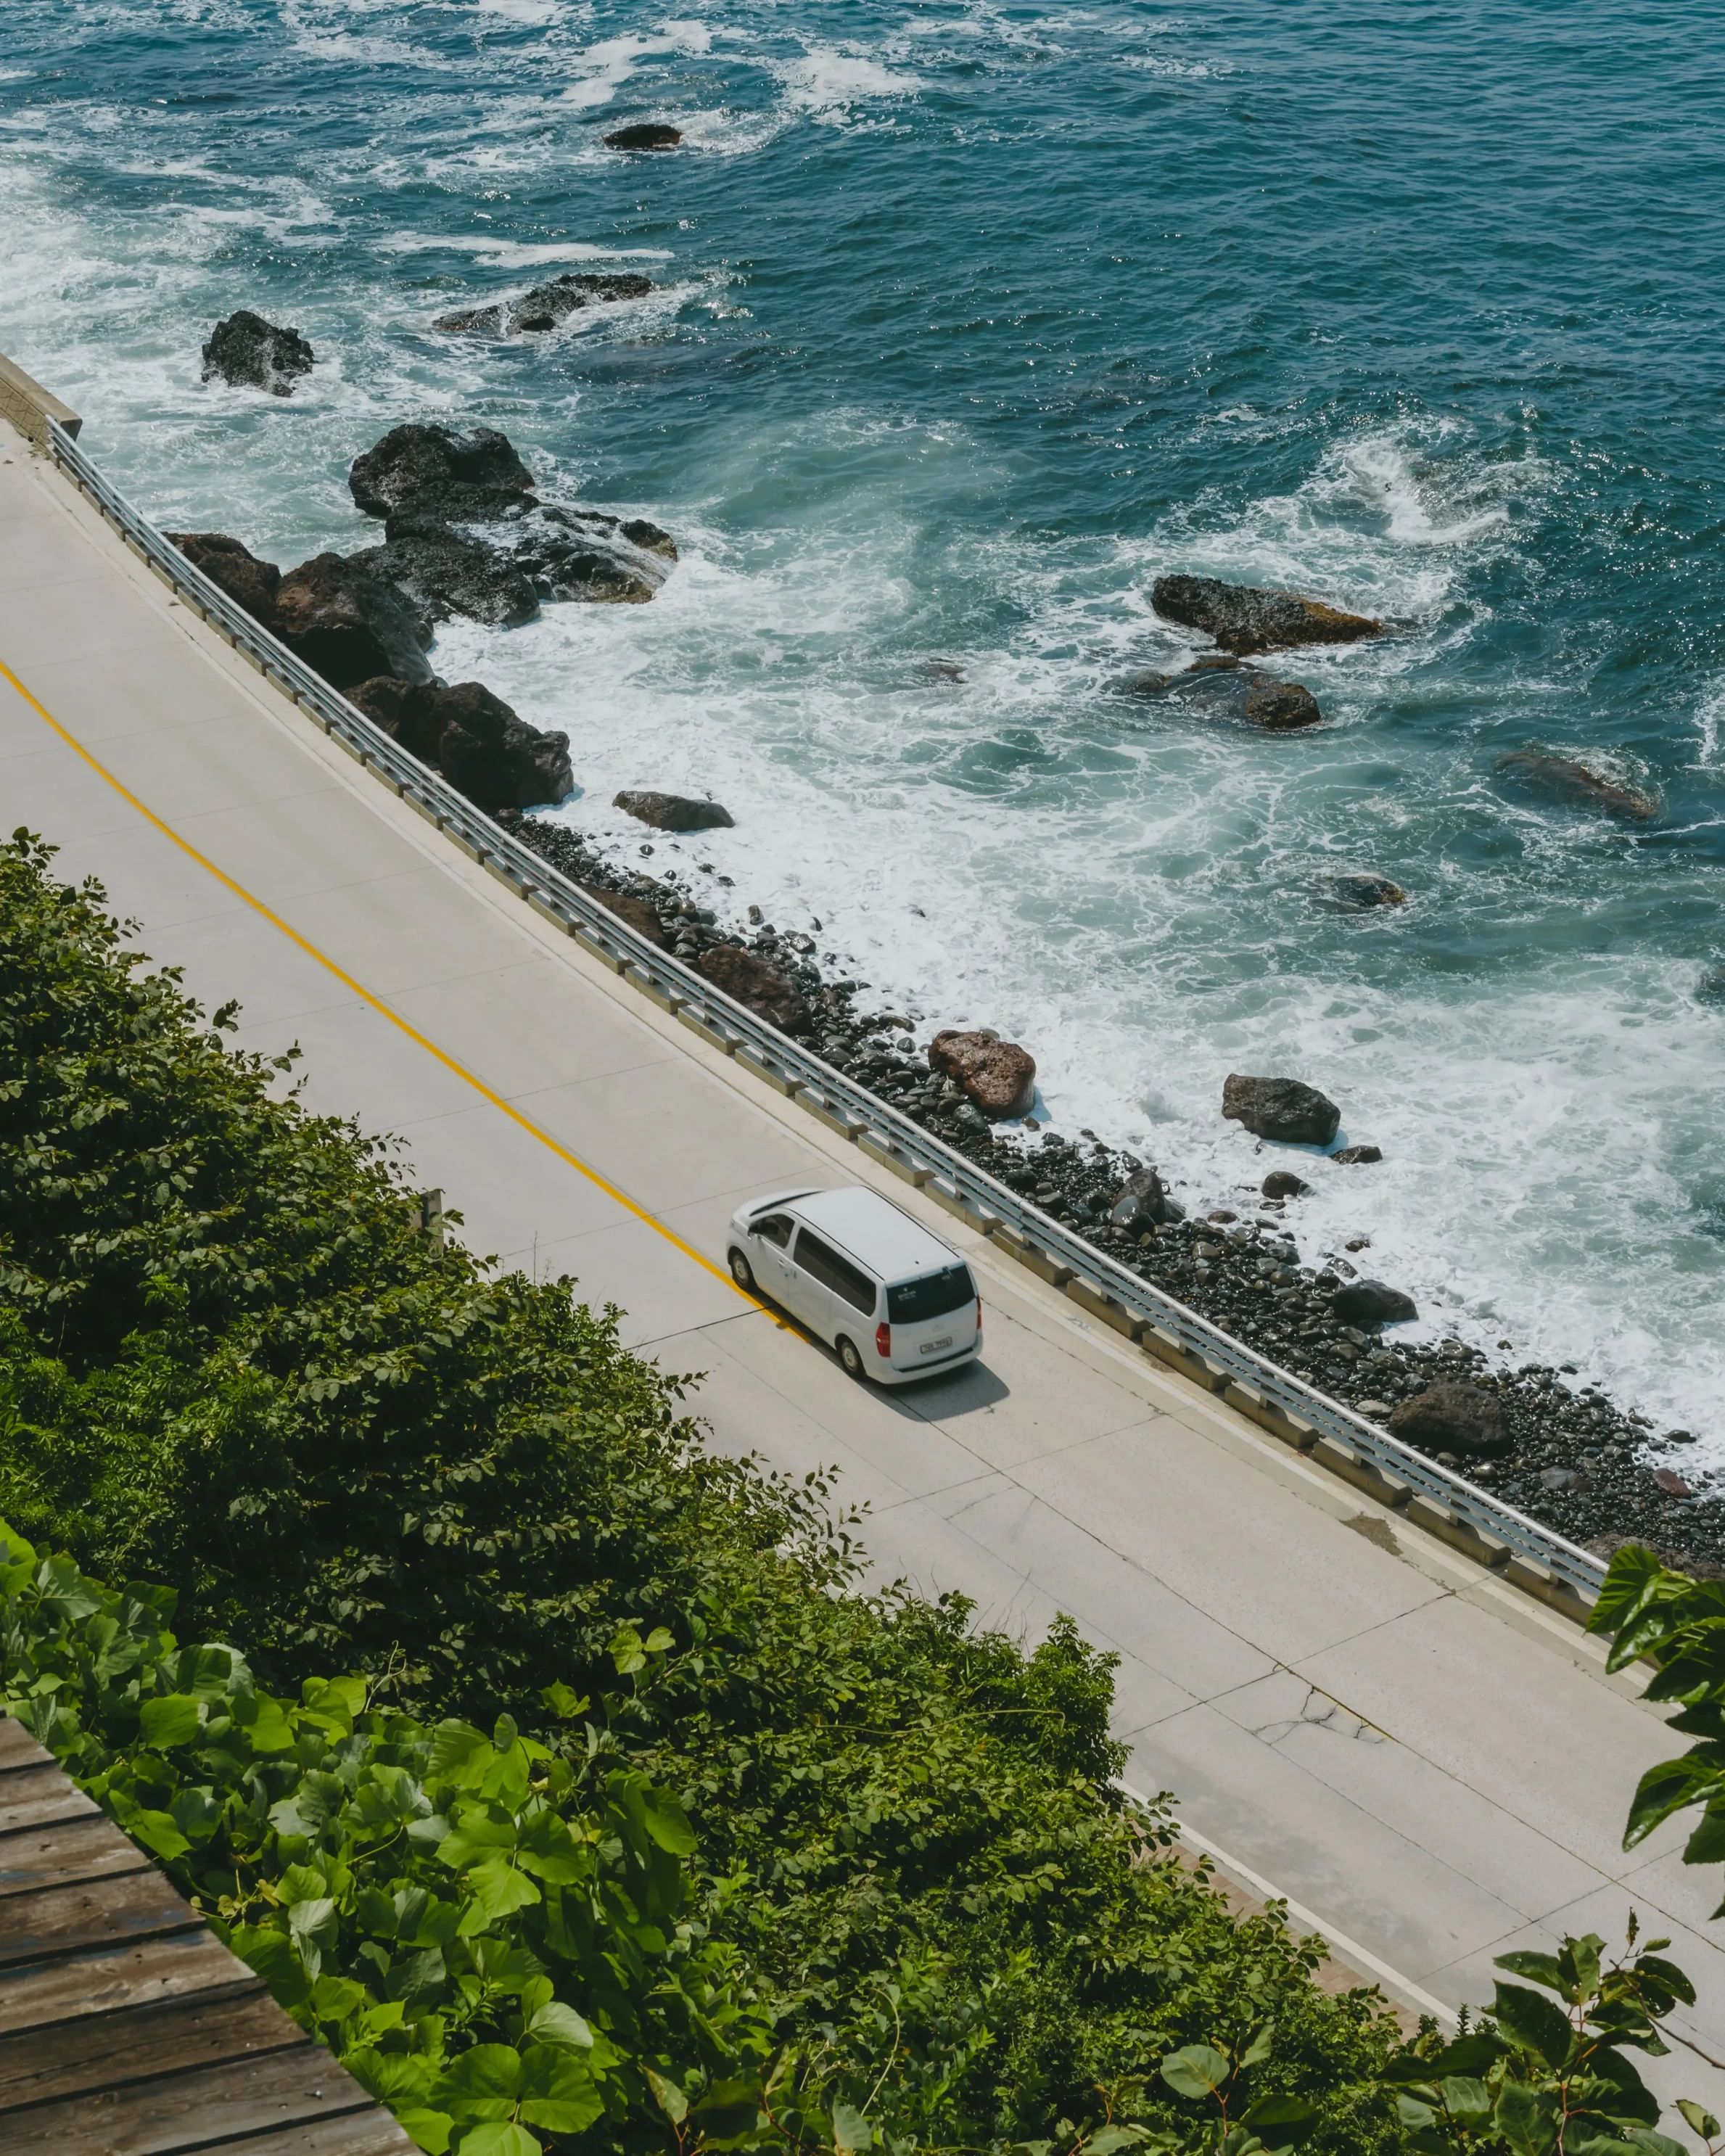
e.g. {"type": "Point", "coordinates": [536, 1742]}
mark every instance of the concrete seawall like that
{"type": "Point", "coordinates": [1426, 1760]}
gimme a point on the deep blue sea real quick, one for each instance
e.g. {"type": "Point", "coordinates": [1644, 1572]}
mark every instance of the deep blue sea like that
{"type": "Point", "coordinates": [973, 319]}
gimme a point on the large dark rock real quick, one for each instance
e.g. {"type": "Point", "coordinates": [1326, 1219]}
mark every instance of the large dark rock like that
{"type": "Point", "coordinates": [474, 738]}
{"type": "Point", "coordinates": [1359, 1155]}
{"type": "Point", "coordinates": [547, 306]}
{"type": "Point", "coordinates": [1280, 1108]}
{"type": "Point", "coordinates": [1228, 689]}
{"type": "Point", "coordinates": [432, 471]}
{"type": "Point", "coordinates": [1370, 1302]}
{"type": "Point", "coordinates": [1280, 1183]}
{"type": "Point", "coordinates": [1450, 1416]}
{"type": "Point", "coordinates": [250, 582]}
{"type": "Point", "coordinates": [1570, 783]}
{"type": "Point", "coordinates": [755, 984]}
{"type": "Point", "coordinates": [1243, 619]}
{"type": "Point", "coordinates": [998, 1076]}
{"type": "Point", "coordinates": [445, 571]}
{"type": "Point", "coordinates": [644, 135]}
{"type": "Point", "coordinates": [348, 626]}
{"type": "Point", "coordinates": [250, 353]}
{"type": "Point", "coordinates": [640, 915]}
{"type": "Point", "coordinates": [674, 812]}
{"type": "Point", "coordinates": [1141, 1202]}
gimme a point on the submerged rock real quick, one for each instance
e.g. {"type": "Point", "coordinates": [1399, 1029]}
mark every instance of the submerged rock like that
{"type": "Point", "coordinates": [1280, 1108]}
{"type": "Point", "coordinates": [674, 812]}
{"type": "Point", "coordinates": [997, 1076]}
{"type": "Point", "coordinates": [1570, 783]}
{"type": "Point", "coordinates": [1710, 988]}
{"type": "Point", "coordinates": [248, 582]}
{"type": "Point", "coordinates": [547, 306]}
{"type": "Point", "coordinates": [1243, 618]}
{"type": "Point", "coordinates": [349, 626]}
{"type": "Point", "coordinates": [1360, 893]}
{"type": "Point", "coordinates": [1229, 689]}
{"type": "Point", "coordinates": [250, 353]}
{"type": "Point", "coordinates": [757, 984]}
{"type": "Point", "coordinates": [644, 134]}
{"type": "Point", "coordinates": [1371, 1302]}
{"type": "Point", "coordinates": [432, 471]}
{"type": "Point", "coordinates": [1450, 1415]}
{"type": "Point", "coordinates": [473, 737]}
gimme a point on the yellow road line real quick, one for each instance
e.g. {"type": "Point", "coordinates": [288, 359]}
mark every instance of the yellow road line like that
{"type": "Point", "coordinates": [377, 1003]}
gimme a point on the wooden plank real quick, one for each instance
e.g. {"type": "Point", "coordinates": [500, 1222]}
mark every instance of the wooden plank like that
{"type": "Point", "coordinates": [175, 2036]}
{"type": "Point", "coordinates": [95, 1912]}
{"type": "Point", "coordinates": [208, 2109]}
{"type": "Point", "coordinates": [19, 1748]}
{"type": "Point", "coordinates": [38, 1796]}
{"type": "Point", "coordinates": [92, 1848]}
{"type": "Point", "coordinates": [372, 2132]}
{"type": "Point", "coordinates": [192, 1963]}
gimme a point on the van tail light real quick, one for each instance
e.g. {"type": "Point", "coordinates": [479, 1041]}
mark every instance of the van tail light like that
{"type": "Point", "coordinates": [883, 1341]}
{"type": "Point", "coordinates": [978, 1313]}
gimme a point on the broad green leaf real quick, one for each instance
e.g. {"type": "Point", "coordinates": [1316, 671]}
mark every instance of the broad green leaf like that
{"type": "Point", "coordinates": [460, 1753]}
{"type": "Point", "coordinates": [668, 1823]}
{"type": "Point", "coordinates": [494, 1891]}
{"type": "Point", "coordinates": [271, 1953]}
{"type": "Point", "coordinates": [169, 1720]}
{"type": "Point", "coordinates": [159, 1832]}
{"type": "Point", "coordinates": [429, 2130]}
{"type": "Point", "coordinates": [563, 1702]}
{"type": "Point", "coordinates": [1280, 2121]}
{"type": "Point", "coordinates": [669, 2098]}
{"type": "Point", "coordinates": [483, 2083]}
{"type": "Point", "coordinates": [1672, 1785]}
{"type": "Point", "coordinates": [1110, 2140]}
{"type": "Point", "coordinates": [1197, 2071]}
{"type": "Point", "coordinates": [1534, 2023]}
{"type": "Point", "coordinates": [499, 2140]}
{"type": "Point", "coordinates": [1653, 2144]}
{"type": "Point", "coordinates": [301, 1882]}
{"type": "Point", "coordinates": [1701, 2121]}
{"type": "Point", "coordinates": [1258, 2050]}
{"type": "Point", "coordinates": [554, 2023]}
{"type": "Point", "coordinates": [475, 1840]}
{"type": "Point", "coordinates": [1412, 2112]}
{"type": "Point", "coordinates": [557, 2091]}
{"type": "Point", "coordinates": [1527, 2118]}
{"type": "Point", "coordinates": [727, 2111]}
{"type": "Point", "coordinates": [1467, 2100]}
{"type": "Point", "coordinates": [266, 1723]}
{"type": "Point", "coordinates": [852, 2133]}
{"type": "Point", "coordinates": [1538, 1968]}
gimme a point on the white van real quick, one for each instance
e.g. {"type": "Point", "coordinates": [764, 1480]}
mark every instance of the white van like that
{"type": "Point", "coordinates": [894, 1302]}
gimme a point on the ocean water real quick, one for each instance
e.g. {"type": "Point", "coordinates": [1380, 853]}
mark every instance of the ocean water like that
{"type": "Point", "coordinates": [973, 320]}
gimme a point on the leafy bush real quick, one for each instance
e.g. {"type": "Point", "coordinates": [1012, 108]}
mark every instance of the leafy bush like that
{"type": "Point", "coordinates": [233, 1367]}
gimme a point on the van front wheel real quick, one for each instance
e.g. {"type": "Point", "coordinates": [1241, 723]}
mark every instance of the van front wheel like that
{"type": "Point", "coordinates": [741, 1272]}
{"type": "Point", "coordinates": [851, 1359]}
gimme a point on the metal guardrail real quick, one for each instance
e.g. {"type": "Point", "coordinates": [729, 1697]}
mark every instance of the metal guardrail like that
{"type": "Point", "coordinates": [1112, 1290]}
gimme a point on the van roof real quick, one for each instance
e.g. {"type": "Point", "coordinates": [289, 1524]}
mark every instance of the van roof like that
{"type": "Point", "coordinates": [871, 1228]}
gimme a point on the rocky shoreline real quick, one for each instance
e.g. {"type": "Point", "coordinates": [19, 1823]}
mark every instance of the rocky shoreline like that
{"type": "Point", "coordinates": [466, 532]}
{"type": "Point", "coordinates": [1561, 1453]}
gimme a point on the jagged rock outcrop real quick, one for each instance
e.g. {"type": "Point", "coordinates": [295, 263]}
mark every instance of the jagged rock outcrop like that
{"type": "Point", "coordinates": [348, 626]}
{"type": "Point", "coordinates": [475, 739]}
{"type": "Point", "coordinates": [1243, 618]}
{"type": "Point", "coordinates": [250, 353]}
{"type": "Point", "coordinates": [1222, 688]}
{"type": "Point", "coordinates": [248, 582]}
{"type": "Point", "coordinates": [428, 470]}
{"type": "Point", "coordinates": [547, 306]}
{"type": "Point", "coordinates": [1450, 1416]}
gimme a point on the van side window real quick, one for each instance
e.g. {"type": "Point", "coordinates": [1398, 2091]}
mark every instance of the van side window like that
{"type": "Point", "coordinates": [822, 1262]}
{"type": "Point", "coordinates": [776, 1228]}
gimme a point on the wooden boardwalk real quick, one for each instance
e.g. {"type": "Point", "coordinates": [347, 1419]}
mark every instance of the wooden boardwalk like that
{"type": "Point", "coordinates": [126, 2027]}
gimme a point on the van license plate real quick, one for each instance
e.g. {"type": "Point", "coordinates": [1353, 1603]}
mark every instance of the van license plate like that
{"type": "Point", "coordinates": [932, 1346]}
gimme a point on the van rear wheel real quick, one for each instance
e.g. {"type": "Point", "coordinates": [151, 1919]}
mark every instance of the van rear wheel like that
{"type": "Point", "coordinates": [742, 1272]}
{"type": "Point", "coordinates": [851, 1358]}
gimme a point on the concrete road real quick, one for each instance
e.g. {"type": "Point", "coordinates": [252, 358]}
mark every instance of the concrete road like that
{"type": "Point", "coordinates": [1432, 1768]}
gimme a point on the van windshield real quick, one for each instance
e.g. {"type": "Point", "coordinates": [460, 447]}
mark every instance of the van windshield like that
{"type": "Point", "coordinates": [931, 1297]}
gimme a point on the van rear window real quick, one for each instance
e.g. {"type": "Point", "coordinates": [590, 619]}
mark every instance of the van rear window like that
{"type": "Point", "coordinates": [931, 1297]}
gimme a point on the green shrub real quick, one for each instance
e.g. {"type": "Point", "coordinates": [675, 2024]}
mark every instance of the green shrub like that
{"type": "Point", "coordinates": [231, 1367]}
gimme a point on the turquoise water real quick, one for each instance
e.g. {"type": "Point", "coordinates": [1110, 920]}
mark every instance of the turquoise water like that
{"type": "Point", "coordinates": [973, 320]}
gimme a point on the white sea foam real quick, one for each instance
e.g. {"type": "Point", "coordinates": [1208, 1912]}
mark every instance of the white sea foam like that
{"type": "Point", "coordinates": [500, 254]}
{"type": "Point", "coordinates": [827, 82]}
